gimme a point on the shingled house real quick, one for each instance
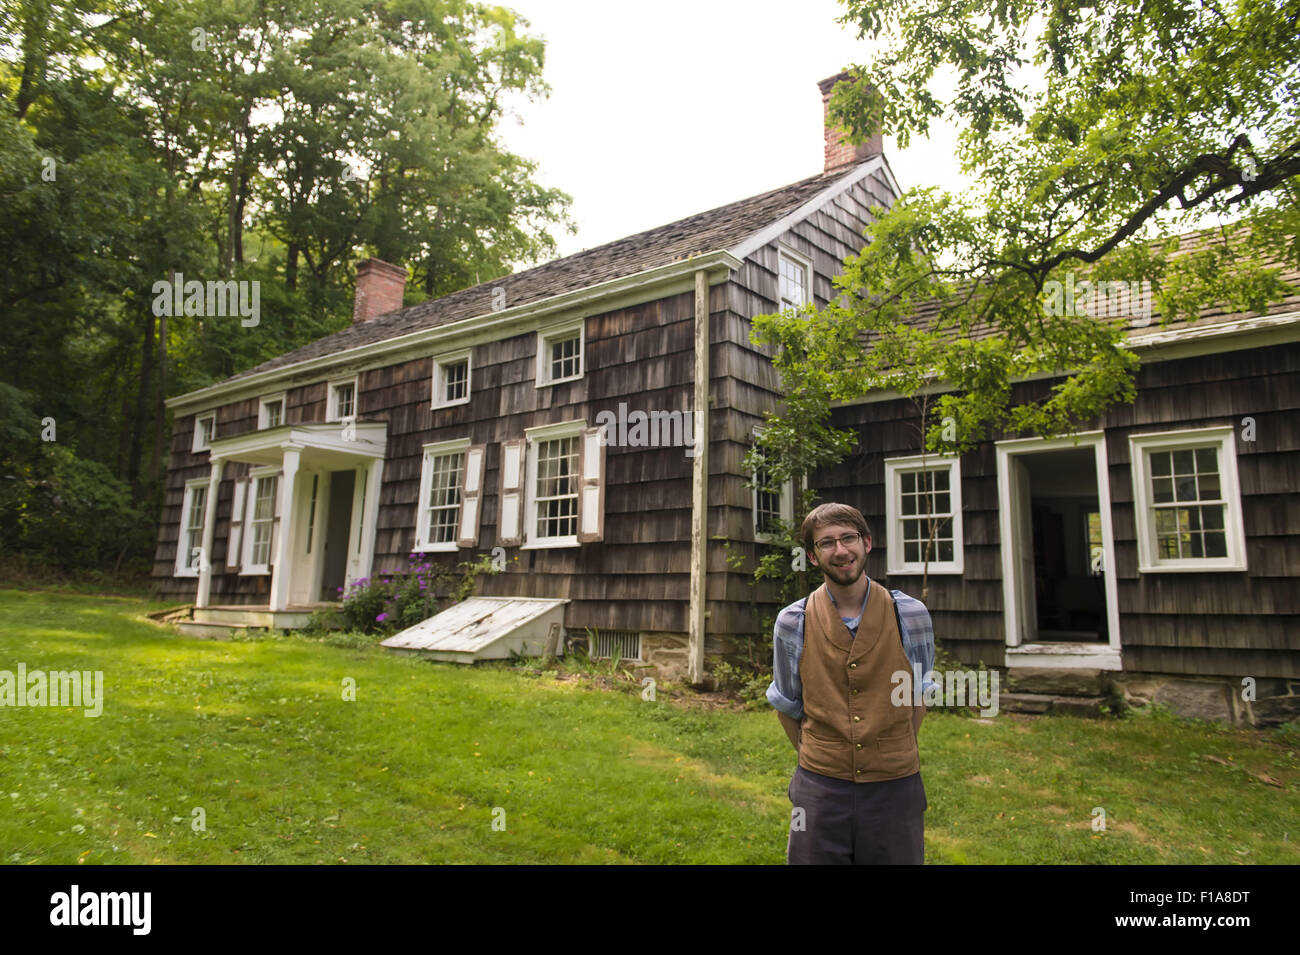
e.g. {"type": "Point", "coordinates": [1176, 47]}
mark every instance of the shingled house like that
{"type": "Point", "coordinates": [1157, 550]}
{"type": "Point", "coordinates": [1155, 554]}
{"type": "Point", "coordinates": [471, 422]}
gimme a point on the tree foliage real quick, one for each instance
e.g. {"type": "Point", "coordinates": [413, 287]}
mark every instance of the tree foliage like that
{"type": "Point", "coordinates": [262, 141]}
{"type": "Point", "coordinates": [1096, 133]}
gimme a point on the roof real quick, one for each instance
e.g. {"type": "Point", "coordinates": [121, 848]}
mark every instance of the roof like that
{"type": "Point", "coordinates": [1142, 321]}
{"type": "Point", "coordinates": [715, 229]}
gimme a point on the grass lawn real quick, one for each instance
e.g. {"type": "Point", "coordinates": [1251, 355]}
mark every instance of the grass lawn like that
{"type": "Point", "coordinates": [428, 757]}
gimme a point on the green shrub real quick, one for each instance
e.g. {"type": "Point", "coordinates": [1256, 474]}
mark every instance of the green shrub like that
{"type": "Point", "coordinates": [394, 600]}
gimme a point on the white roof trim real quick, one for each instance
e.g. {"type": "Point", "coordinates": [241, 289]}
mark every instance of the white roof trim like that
{"type": "Point", "coordinates": [763, 236]}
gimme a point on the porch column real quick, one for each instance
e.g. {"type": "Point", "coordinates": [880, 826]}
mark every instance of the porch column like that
{"type": "Point", "coordinates": [209, 522]}
{"type": "Point", "coordinates": [370, 518]}
{"type": "Point", "coordinates": [284, 533]}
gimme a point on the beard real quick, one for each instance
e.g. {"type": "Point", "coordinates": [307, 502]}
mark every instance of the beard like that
{"type": "Point", "coordinates": [848, 573]}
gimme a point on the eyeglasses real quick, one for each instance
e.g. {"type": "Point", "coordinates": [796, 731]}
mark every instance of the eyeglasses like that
{"type": "Point", "coordinates": [827, 545]}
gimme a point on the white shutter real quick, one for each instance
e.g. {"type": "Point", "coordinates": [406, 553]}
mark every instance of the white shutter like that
{"type": "Point", "coordinates": [471, 496]}
{"type": "Point", "coordinates": [509, 531]}
{"type": "Point", "coordinates": [234, 543]}
{"type": "Point", "coordinates": [591, 488]}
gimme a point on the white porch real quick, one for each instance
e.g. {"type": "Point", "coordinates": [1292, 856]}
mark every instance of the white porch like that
{"type": "Point", "coordinates": [323, 482]}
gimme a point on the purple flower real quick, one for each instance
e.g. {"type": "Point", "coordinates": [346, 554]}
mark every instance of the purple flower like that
{"type": "Point", "coordinates": [381, 618]}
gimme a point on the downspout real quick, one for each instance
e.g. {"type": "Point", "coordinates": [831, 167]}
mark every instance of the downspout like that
{"type": "Point", "coordinates": [699, 485]}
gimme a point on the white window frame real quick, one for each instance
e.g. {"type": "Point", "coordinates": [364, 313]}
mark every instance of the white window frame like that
{"type": "Point", "coordinates": [440, 364]}
{"type": "Point", "coordinates": [894, 517]}
{"type": "Point", "coordinates": [264, 404]}
{"type": "Point", "coordinates": [199, 444]}
{"type": "Point", "coordinates": [1224, 439]}
{"type": "Point", "coordinates": [534, 436]}
{"type": "Point", "coordinates": [247, 567]}
{"type": "Point", "coordinates": [545, 337]}
{"type": "Point", "coordinates": [431, 451]}
{"type": "Point", "coordinates": [786, 509]}
{"type": "Point", "coordinates": [332, 408]}
{"type": "Point", "coordinates": [185, 553]}
{"type": "Point", "coordinates": [785, 252]}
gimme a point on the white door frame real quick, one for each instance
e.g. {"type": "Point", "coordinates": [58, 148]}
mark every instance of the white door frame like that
{"type": "Point", "coordinates": [1073, 655]}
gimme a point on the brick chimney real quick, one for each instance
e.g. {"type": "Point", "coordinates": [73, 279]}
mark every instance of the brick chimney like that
{"type": "Point", "coordinates": [379, 289]}
{"type": "Point", "coordinates": [840, 154]}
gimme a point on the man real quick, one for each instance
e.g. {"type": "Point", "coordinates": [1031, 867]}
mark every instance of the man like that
{"type": "Point", "coordinates": [858, 781]}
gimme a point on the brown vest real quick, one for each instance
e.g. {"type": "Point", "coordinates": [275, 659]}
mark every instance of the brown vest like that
{"type": "Point", "coordinates": [850, 729]}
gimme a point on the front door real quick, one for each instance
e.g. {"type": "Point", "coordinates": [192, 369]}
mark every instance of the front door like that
{"type": "Point", "coordinates": [338, 526]}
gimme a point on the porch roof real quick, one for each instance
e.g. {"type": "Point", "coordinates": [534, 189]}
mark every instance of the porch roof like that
{"type": "Point", "coordinates": [325, 444]}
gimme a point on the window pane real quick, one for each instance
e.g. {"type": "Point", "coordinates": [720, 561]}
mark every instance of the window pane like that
{"type": "Point", "coordinates": [1184, 463]}
{"type": "Point", "coordinates": [1160, 463]}
{"type": "Point", "coordinates": [1207, 459]}
{"type": "Point", "coordinates": [1186, 488]}
{"type": "Point", "coordinates": [1162, 489]}
{"type": "Point", "coordinates": [1216, 544]}
{"type": "Point", "coordinates": [1208, 485]}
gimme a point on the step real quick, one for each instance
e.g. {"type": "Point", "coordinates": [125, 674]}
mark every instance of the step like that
{"type": "Point", "coordinates": [1054, 705]}
{"type": "Point", "coordinates": [1057, 681]}
{"type": "Point", "coordinates": [212, 631]}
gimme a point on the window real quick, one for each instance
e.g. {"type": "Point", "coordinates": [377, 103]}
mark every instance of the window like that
{"type": "Point", "coordinates": [205, 429]}
{"type": "Point", "coordinates": [189, 547]}
{"type": "Point", "coordinates": [560, 354]}
{"type": "Point", "coordinates": [793, 280]}
{"type": "Point", "coordinates": [1187, 501]}
{"type": "Point", "coordinates": [1095, 561]}
{"type": "Point", "coordinates": [342, 400]}
{"type": "Point", "coordinates": [562, 487]}
{"type": "Point", "coordinates": [441, 486]}
{"type": "Point", "coordinates": [260, 534]}
{"type": "Point", "coordinates": [271, 413]}
{"type": "Point", "coordinates": [451, 380]}
{"type": "Point", "coordinates": [555, 489]}
{"type": "Point", "coordinates": [923, 515]}
{"type": "Point", "coordinates": [604, 644]}
{"type": "Point", "coordinates": [770, 507]}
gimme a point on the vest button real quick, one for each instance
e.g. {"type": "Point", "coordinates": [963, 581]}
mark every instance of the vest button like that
{"type": "Point", "coordinates": [859, 746]}
{"type": "Point", "coordinates": [855, 691]}
{"type": "Point", "coordinates": [853, 666]}
{"type": "Point", "coordinates": [859, 772]}
{"type": "Point", "coordinates": [857, 719]}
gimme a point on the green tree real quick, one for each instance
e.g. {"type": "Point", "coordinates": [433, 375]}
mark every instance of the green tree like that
{"type": "Point", "coordinates": [1096, 134]}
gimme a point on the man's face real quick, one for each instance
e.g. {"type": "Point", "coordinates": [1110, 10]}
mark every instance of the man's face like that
{"type": "Point", "coordinates": [840, 562]}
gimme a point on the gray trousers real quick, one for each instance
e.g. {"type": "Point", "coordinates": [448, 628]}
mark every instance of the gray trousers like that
{"type": "Point", "coordinates": [848, 823]}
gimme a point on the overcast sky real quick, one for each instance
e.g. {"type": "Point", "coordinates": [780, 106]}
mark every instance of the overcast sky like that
{"type": "Point", "coordinates": [661, 110]}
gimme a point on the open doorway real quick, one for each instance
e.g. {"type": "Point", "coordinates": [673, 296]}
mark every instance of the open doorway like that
{"type": "Point", "coordinates": [1057, 548]}
{"type": "Point", "coordinates": [1069, 589]}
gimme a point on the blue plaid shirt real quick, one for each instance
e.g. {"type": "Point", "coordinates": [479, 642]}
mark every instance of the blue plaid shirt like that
{"type": "Point", "coordinates": [786, 691]}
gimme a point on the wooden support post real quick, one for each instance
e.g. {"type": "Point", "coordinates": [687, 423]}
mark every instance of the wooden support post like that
{"type": "Point", "coordinates": [700, 486]}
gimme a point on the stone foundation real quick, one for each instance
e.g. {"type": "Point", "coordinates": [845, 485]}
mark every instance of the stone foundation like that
{"type": "Point", "coordinates": [665, 656]}
{"type": "Point", "coordinates": [1218, 699]}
